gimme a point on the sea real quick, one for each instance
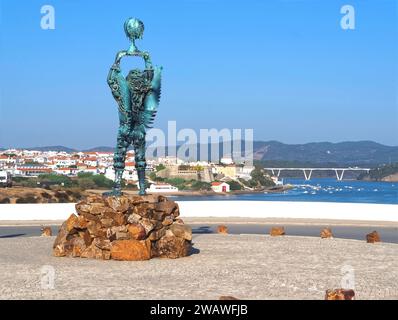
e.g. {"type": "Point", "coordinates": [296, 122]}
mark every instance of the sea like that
{"type": "Point", "coordinates": [318, 190]}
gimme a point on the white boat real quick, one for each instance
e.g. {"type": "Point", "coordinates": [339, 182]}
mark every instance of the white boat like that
{"type": "Point", "coordinates": [161, 187]}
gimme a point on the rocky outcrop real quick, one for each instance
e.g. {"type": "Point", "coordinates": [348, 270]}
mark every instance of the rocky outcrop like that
{"type": "Point", "coordinates": [277, 231]}
{"type": "Point", "coordinates": [124, 228]}
{"type": "Point", "coordinates": [373, 237]}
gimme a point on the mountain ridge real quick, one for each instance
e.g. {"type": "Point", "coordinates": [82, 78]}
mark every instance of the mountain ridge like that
{"type": "Point", "coordinates": [345, 152]}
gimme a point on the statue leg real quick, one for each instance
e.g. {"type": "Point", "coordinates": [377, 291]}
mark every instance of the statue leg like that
{"type": "Point", "coordinates": [123, 142]}
{"type": "Point", "coordinates": [140, 162]}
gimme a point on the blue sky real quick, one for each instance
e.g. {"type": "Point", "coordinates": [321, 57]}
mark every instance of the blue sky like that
{"type": "Point", "coordinates": [282, 67]}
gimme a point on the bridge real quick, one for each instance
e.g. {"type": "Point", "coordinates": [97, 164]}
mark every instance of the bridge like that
{"type": "Point", "coordinates": [308, 171]}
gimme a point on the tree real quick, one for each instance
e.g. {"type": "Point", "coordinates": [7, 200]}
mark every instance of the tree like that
{"type": "Point", "coordinates": [101, 181]}
{"type": "Point", "coordinates": [234, 185]}
{"type": "Point", "coordinates": [160, 167]}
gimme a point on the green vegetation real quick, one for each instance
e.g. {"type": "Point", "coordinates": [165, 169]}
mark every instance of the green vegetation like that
{"type": "Point", "coordinates": [83, 181]}
{"type": "Point", "coordinates": [380, 173]}
{"type": "Point", "coordinates": [160, 167]}
{"type": "Point", "coordinates": [234, 185]}
{"type": "Point", "coordinates": [260, 179]}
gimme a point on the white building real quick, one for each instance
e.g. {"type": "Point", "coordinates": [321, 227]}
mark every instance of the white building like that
{"type": "Point", "coordinates": [128, 175]}
{"type": "Point", "coordinates": [66, 171]}
{"type": "Point", "coordinates": [220, 187]}
{"type": "Point", "coordinates": [226, 161]}
{"type": "Point", "coordinates": [91, 162]}
{"type": "Point", "coordinates": [244, 172]}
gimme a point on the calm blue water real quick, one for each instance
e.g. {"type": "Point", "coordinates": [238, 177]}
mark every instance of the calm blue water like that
{"type": "Point", "coordinates": [320, 190]}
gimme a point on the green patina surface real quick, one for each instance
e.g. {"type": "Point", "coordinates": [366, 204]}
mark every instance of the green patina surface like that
{"type": "Point", "coordinates": [137, 96]}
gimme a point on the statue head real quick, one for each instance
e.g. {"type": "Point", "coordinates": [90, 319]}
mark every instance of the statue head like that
{"type": "Point", "coordinates": [134, 28]}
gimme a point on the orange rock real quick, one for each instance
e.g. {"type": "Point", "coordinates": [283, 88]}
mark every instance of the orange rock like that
{"type": "Point", "coordinates": [81, 223]}
{"type": "Point", "coordinates": [136, 231]}
{"type": "Point", "coordinates": [78, 246]}
{"type": "Point", "coordinates": [118, 204]}
{"type": "Point", "coordinates": [373, 237]}
{"type": "Point", "coordinates": [167, 221]}
{"type": "Point", "coordinates": [222, 229]}
{"type": "Point", "coordinates": [277, 231]}
{"type": "Point", "coordinates": [182, 231]}
{"type": "Point", "coordinates": [70, 222]}
{"type": "Point", "coordinates": [171, 247]}
{"type": "Point", "coordinates": [119, 219]}
{"type": "Point", "coordinates": [157, 234]}
{"type": "Point", "coordinates": [166, 206]}
{"type": "Point", "coordinates": [131, 250]}
{"type": "Point", "coordinates": [326, 233]}
{"type": "Point", "coordinates": [340, 294]}
{"type": "Point", "coordinates": [46, 232]}
{"type": "Point", "coordinates": [85, 235]}
{"type": "Point", "coordinates": [96, 229]}
{"type": "Point", "coordinates": [93, 252]}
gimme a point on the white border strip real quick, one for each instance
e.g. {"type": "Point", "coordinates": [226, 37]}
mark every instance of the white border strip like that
{"type": "Point", "coordinates": [248, 209]}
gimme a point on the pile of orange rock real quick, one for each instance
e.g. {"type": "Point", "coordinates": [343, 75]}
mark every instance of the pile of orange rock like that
{"type": "Point", "coordinates": [124, 228]}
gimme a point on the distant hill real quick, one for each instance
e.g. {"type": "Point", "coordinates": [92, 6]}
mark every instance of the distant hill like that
{"type": "Point", "coordinates": [350, 153]}
{"type": "Point", "coordinates": [51, 148]}
{"type": "Point", "coordinates": [364, 153]}
{"type": "Point", "coordinates": [100, 149]}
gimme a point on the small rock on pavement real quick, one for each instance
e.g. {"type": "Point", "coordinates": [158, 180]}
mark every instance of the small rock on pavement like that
{"type": "Point", "coordinates": [46, 232]}
{"type": "Point", "coordinates": [222, 229]}
{"type": "Point", "coordinates": [326, 233]}
{"type": "Point", "coordinates": [340, 294]}
{"type": "Point", "coordinates": [373, 237]}
{"type": "Point", "coordinates": [227, 298]}
{"type": "Point", "coordinates": [277, 231]}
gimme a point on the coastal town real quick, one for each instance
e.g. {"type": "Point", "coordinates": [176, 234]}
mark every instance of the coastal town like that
{"type": "Point", "coordinates": [167, 174]}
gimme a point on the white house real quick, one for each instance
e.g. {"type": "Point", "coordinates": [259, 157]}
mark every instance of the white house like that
{"type": "Point", "coordinates": [91, 162]}
{"type": "Point", "coordinates": [66, 171]}
{"type": "Point", "coordinates": [220, 187]}
{"type": "Point", "coordinates": [128, 175]}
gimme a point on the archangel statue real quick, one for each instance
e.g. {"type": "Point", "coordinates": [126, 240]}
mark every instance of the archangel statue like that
{"type": "Point", "coordinates": [137, 96]}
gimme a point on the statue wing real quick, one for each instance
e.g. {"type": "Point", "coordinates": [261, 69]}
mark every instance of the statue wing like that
{"type": "Point", "coordinates": [152, 99]}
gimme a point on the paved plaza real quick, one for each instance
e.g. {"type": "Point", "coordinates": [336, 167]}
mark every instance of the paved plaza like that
{"type": "Point", "coordinates": [244, 266]}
